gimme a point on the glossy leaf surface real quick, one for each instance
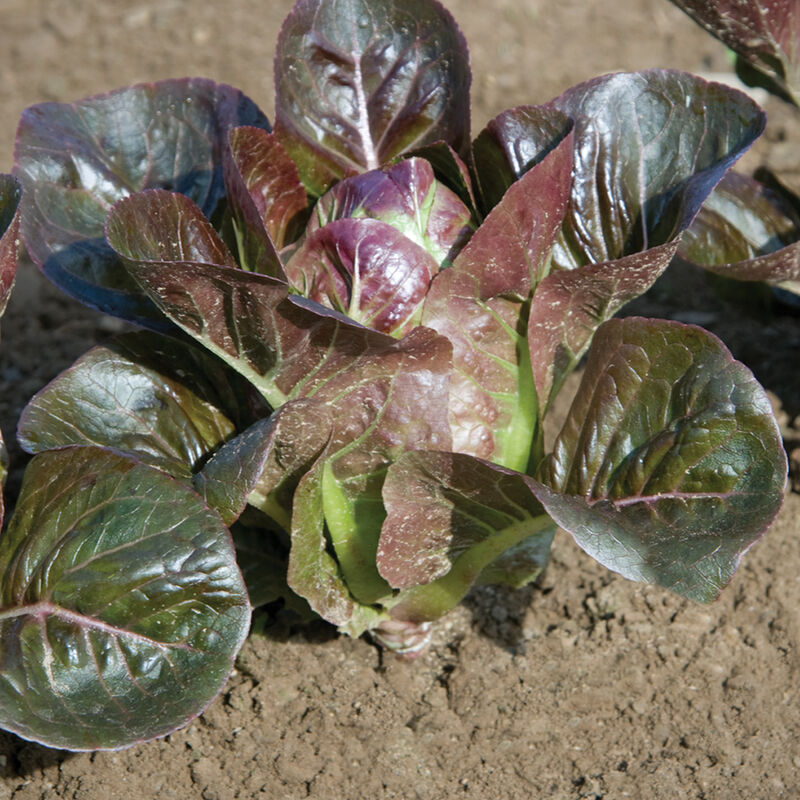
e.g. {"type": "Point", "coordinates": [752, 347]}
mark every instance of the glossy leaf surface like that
{"type": "Point", "coordinates": [263, 464]}
{"type": "Point", "coordinates": [649, 148]}
{"type": "Point", "coordinates": [360, 82]}
{"type": "Point", "coordinates": [121, 604]}
{"type": "Point", "coordinates": [165, 401]}
{"type": "Point", "coordinates": [481, 305]}
{"type": "Point", "coordinates": [766, 33]}
{"type": "Point", "coordinates": [367, 270]}
{"type": "Point", "coordinates": [747, 232]}
{"type": "Point", "coordinates": [76, 160]}
{"type": "Point", "coordinates": [266, 197]}
{"type": "Point", "coordinates": [449, 516]}
{"type": "Point", "coordinates": [406, 196]}
{"type": "Point", "coordinates": [670, 463]}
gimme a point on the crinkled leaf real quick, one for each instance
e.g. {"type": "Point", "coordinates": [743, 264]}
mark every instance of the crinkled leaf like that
{"type": "Point", "coordinates": [278, 342]}
{"type": "Point", "coordinates": [406, 196]}
{"type": "Point", "coordinates": [745, 231]}
{"type": "Point", "coordinates": [263, 464]}
{"type": "Point", "coordinates": [359, 82]}
{"type": "Point", "coordinates": [10, 194]}
{"type": "Point", "coordinates": [450, 516]}
{"type": "Point", "coordinates": [649, 148]}
{"type": "Point", "coordinates": [266, 197]}
{"type": "Point", "coordinates": [122, 606]}
{"type": "Point", "coordinates": [569, 305]}
{"type": "Point", "coordinates": [164, 401]}
{"type": "Point", "coordinates": [367, 270]}
{"type": "Point", "coordinates": [76, 160]}
{"type": "Point", "coordinates": [765, 33]}
{"type": "Point", "coordinates": [669, 465]}
{"type": "Point", "coordinates": [157, 225]}
{"type": "Point", "coordinates": [481, 305]}
{"type": "Point", "coordinates": [511, 144]}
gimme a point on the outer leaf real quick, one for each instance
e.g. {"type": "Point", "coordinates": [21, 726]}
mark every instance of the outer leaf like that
{"type": "Point", "coordinates": [670, 464]}
{"type": "Point", "coordinates": [747, 232]}
{"type": "Point", "coordinates": [569, 305]}
{"type": "Point", "coordinates": [449, 516]}
{"type": "Point", "coordinates": [9, 230]}
{"type": "Point", "coordinates": [165, 401]}
{"type": "Point", "coordinates": [358, 83]}
{"type": "Point", "coordinates": [9, 245]}
{"type": "Point", "coordinates": [266, 196]}
{"type": "Point", "coordinates": [367, 270]}
{"type": "Point", "coordinates": [263, 464]}
{"type": "Point", "coordinates": [406, 196]}
{"type": "Point", "coordinates": [766, 33]}
{"type": "Point", "coordinates": [285, 346]}
{"type": "Point", "coordinates": [481, 304]}
{"type": "Point", "coordinates": [649, 148]}
{"type": "Point", "coordinates": [76, 160]}
{"type": "Point", "coordinates": [122, 606]}
{"type": "Point", "coordinates": [511, 144]}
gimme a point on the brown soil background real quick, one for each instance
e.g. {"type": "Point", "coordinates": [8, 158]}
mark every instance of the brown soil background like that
{"type": "Point", "coordinates": [585, 686]}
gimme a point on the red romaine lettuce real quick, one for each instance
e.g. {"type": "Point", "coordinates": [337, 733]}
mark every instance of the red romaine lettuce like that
{"type": "Point", "coordinates": [368, 321]}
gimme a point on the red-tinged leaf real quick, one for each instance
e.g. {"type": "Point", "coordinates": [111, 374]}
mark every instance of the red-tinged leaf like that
{"type": "Point", "coordinates": [406, 196]}
{"type": "Point", "coordinates": [360, 82]}
{"type": "Point", "coordinates": [76, 160]}
{"type": "Point", "coordinates": [263, 464]}
{"type": "Point", "coordinates": [481, 304]}
{"type": "Point", "coordinates": [765, 33]}
{"type": "Point", "coordinates": [449, 169]}
{"type": "Point", "coordinates": [367, 270]}
{"type": "Point", "coordinates": [449, 517]}
{"type": "Point", "coordinates": [569, 305]}
{"type": "Point", "coordinates": [511, 144]}
{"type": "Point", "coordinates": [747, 232]}
{"type": "Point", "coordinates": [10, 194]}
{"type": "Point", "coordinates": [649, 148]}
{"type": "Point", "coordinates": [266, 197]}
{"type": "Point", "coordinates": [385, 402]}
{"type": "Point", "coordinates": [669, 465]}
{"type": "Point", "coordinates": [164, 226]}
{"type": "Point", "coordinates": [121, 605]}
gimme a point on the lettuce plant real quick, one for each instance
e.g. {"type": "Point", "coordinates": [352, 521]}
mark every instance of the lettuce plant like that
{"type": "Point", "coordinates": [356, 324]}
{"type": "Point", "coordinates": [749, 229]}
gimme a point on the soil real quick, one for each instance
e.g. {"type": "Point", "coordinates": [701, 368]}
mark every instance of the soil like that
{"type": "Point", "coordinates": [583, 686]}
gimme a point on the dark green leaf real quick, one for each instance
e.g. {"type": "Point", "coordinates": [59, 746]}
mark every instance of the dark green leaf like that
{"type": "Point", "coordinates": [76, 160]}
{"type": "Point", "coordinates": [139, 395]}
{"type": "Point", "coordinates": [359, 82]}
{"type": "Point", "coordinates": [747, 232]}
{"type": "Point", "coordinates": [121, 604]}
{"type": "Point", "coordinates": [670, 463]}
